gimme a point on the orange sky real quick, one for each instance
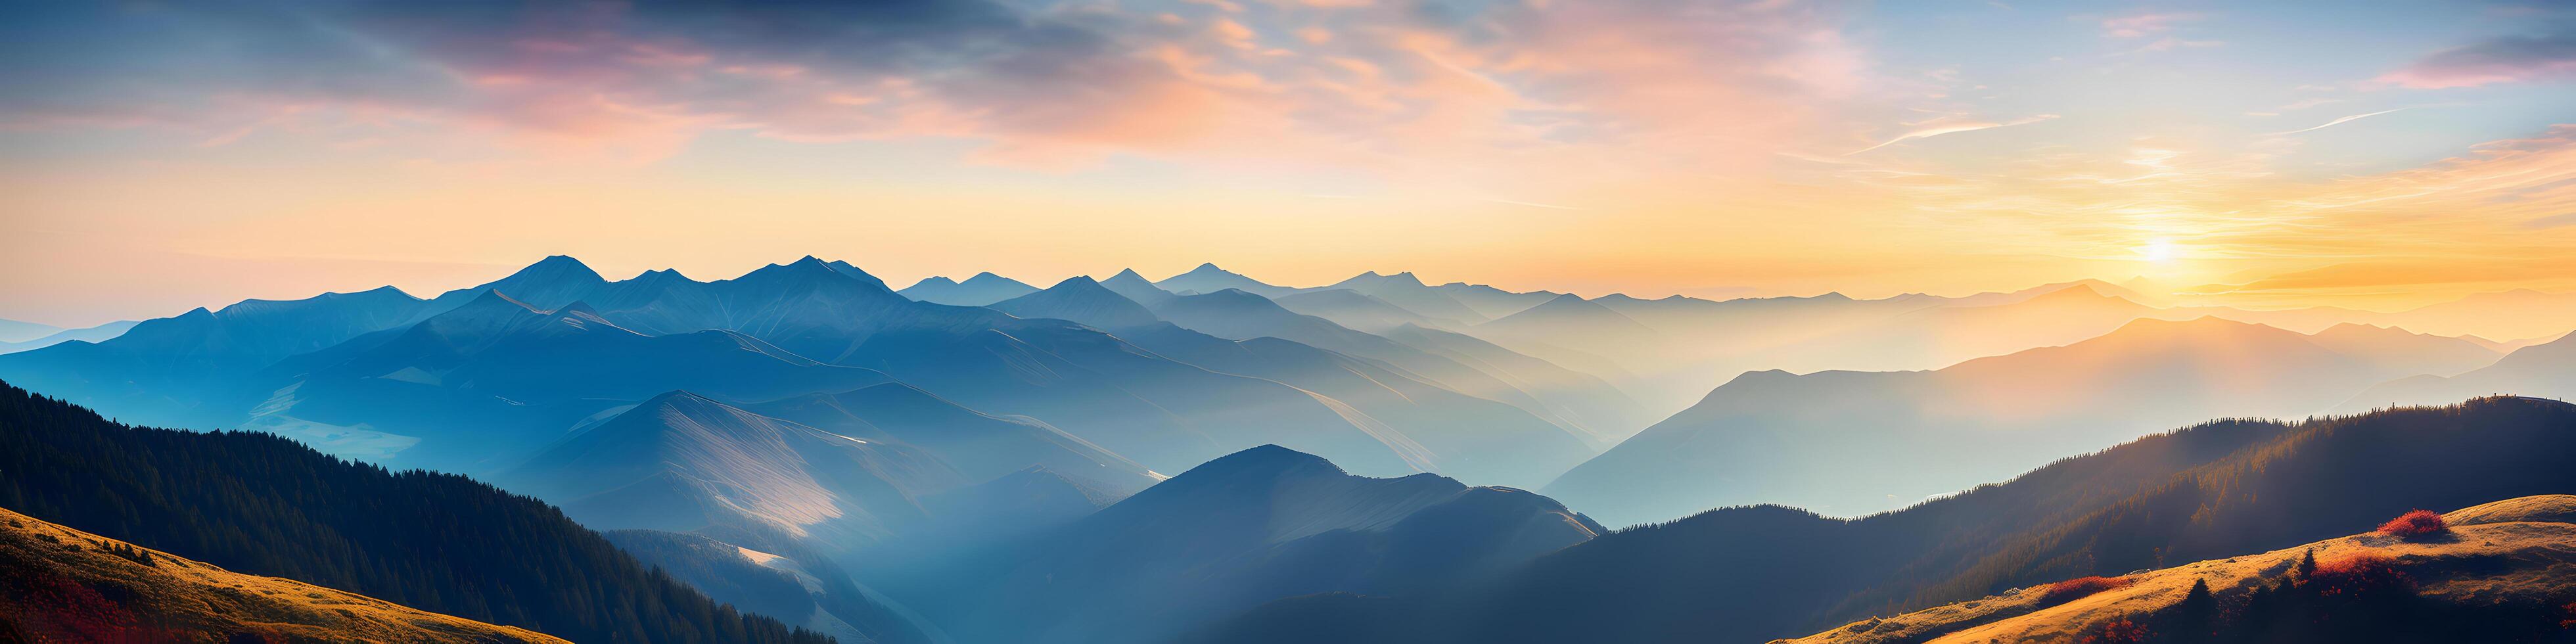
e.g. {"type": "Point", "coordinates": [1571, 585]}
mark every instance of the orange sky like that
{"type": "Point", "coordinates": [1713, 149]}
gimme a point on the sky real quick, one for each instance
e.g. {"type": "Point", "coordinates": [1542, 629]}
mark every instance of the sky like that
{"type": "Point", "coordinates": [160, 156]}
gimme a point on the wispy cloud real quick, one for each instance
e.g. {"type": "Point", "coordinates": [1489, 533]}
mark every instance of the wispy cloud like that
{"type": "Point", "coordinates": [2339, 121]}
{"type": "Point", "coordinates": [2552, 221]}
{"type": "Point", "coordinates": [1940, 127]}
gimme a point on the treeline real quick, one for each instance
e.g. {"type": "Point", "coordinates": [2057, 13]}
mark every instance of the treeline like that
{"type": "Point", "coordinates": [261, 504]}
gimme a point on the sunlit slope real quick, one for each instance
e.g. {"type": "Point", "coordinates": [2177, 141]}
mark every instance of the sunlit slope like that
{"type": "Point", "coordinates": [58, 584]}
{"type": "Point", "coordinates": [2500, 560]}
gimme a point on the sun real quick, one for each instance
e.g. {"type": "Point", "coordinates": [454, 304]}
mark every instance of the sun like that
{"type": "Point", "coordinates": [2157, 250]}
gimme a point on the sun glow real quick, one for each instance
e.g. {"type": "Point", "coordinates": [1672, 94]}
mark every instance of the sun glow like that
{"type": "Point", "coordinates": [2157, 250]}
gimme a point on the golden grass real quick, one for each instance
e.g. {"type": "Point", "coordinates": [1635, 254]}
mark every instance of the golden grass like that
{"type": "Point", "coordinates": [72, 586]}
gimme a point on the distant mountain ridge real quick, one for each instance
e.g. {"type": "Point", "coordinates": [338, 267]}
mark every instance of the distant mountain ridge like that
{"type": "Point", "coordinates": [1774, 437]}
{"type": "Point", "coordinates": [982, 289]}
{"type": "Point", "coordinates": [91, 335]}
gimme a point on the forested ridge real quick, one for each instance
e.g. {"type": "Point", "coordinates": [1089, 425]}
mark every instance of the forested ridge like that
{"type": "Point", "coordinates": [261, 504]}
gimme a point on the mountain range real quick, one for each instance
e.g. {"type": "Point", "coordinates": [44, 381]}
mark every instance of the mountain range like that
{"type": "Point", "coordinates": [985, 461]}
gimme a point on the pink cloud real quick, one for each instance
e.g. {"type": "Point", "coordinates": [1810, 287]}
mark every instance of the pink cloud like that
{"type": "Point", "coordinates": [2145, 24]}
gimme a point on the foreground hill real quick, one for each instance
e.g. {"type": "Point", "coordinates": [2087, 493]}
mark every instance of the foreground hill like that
{"type": "Point", "coordinates": [58, 584]}
{"type": "Point", "coordinates": [1755, 573]}
{"type": "Point", "coordinates": [2499, 572]}
{"type": "Point", "coordinates": [1258, 525]}
{"type": "Point", "coordinates": [263, 505]}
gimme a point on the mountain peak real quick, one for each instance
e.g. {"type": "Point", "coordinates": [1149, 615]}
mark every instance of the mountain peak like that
{"type": "Point", "coordinates": [1127, 273]}
{"type": "Point", "coordinates": [1079, 299]}
{"type": "Point", "coordinates": [658, 275]}
{"type": "Point", "coordinates": [556, 267]}
{"type": "Point", "coordinates": [932, 281]}
{"type": "Point", "coordinates": [1264, 458]}
{"type": "Point", "coordinates": [679, 399]}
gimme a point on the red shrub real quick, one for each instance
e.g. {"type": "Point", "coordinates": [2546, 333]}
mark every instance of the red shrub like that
{"type": "Point", "coordinates": [2420, 523]}
{"type": "Point", "coordinates": [2118, 631]}
{"type": "Point", "coordinates": [2359, 574]}
{"type": "Point", "coordinates": [2078, 588]}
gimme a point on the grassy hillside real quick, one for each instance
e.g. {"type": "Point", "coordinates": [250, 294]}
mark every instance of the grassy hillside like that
{"type": "Point", "coordinates": [65, 585]}
{"type": "Point", "coordinates": [2503, 571]}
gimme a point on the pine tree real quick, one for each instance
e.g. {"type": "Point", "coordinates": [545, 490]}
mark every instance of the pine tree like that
{"type": "Point", "coordinates": [2307, 566]}
{"type": "Point", "coordinates": [2197, 613]}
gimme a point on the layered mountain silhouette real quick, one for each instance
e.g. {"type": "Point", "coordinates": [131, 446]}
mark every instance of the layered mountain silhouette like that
{"type": "Point", "coordinates": [2396, 350]}
{"type": "Point", "coordinates": [2518, 314]}
{"type": "Point", "coordinates": [1754, 573]}
{"type": "Point", "coordinates": [65, 585]}
{"type": "Point", "coordinates": [1357, 310]}
{"type": "Point", "coordinates": [680, 462]}
{"type": "Point", "coordinates": [1851, 443]}
{"type": "Point", "coordinates": [1491, 302]}
{"type": "Point", "coordinates": [1240, 315]}
{"type": "Point", "coordinates": [164, 371]}
{"type": "Point", "coordinates": [2546, 370]}
{"type": "Point", "coordinates": [16, 331]}
{"type": "Point", "coordinates": [979, 446]}
{"type": "Point", "coordinates": [982, 289]}
{"type": "Point", "coordinates": [1207, 278]}
{"type": "Point", "coordinates": [474, 388]}
{"type": "Point", "coordinates": [1381, 383]}
{"type": "Point", "coordinates": [478, 378]}
{"type": "Point", "coordinates": [1407, 292]}
{"type": "Point", "coordinates": [1254, 526]}
{"type": "Point", "coordinates": [93, 335]}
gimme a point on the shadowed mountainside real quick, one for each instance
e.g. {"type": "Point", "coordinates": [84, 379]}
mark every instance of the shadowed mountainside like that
{"type": "Point", "coordinates": [263, 505]}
